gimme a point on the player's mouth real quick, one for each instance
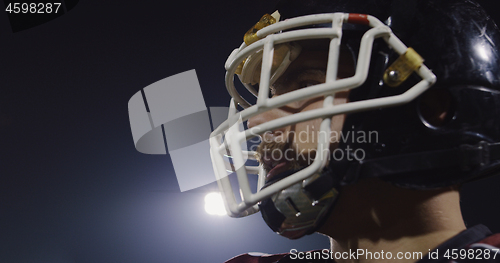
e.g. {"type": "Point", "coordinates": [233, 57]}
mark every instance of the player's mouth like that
{"type": "Point", "coordinates": [278, 159]}
{"type": "Point", "coordinates": [277, 169]}
{"type": "Point", "coordinates": [275, 166]}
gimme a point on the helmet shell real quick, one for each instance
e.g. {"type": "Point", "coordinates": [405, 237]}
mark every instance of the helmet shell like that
{"type": "Point", "coordinates": [459, 43]}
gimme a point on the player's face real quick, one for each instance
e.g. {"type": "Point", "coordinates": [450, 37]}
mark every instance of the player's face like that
{"type": "Point", "coordinates": [293, 147]}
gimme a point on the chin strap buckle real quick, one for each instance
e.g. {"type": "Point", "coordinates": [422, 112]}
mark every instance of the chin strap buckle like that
{"type": "Point", "coordinates": [479, 154]}
{"type": "Point", "coordinates": [485, 153]}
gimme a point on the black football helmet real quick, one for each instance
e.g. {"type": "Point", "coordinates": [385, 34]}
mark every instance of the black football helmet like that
{"type": "Point", "coordinates": [414, 60]}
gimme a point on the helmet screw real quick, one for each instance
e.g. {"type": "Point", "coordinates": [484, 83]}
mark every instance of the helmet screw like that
{"type": "Point", "coordinates": [394, 75]}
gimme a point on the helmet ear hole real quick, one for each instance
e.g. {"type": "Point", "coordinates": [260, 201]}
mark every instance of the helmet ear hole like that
{"type": "Point", "coordinates": [436, 107]}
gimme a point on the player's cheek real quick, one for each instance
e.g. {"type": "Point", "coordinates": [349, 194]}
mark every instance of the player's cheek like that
{"type": "Point", "coordinates": [306, 135]}
{"type": "Point", "coordinates": [336, 127]}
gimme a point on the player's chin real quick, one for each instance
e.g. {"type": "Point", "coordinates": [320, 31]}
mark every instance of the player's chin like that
{"type": "Point", "coordinates": [287, 167]}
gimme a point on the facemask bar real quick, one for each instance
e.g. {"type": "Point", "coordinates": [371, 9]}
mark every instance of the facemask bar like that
{"type": "Point", "coordinates": [233, 137]}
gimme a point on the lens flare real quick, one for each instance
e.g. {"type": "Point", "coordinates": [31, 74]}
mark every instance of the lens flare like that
{"type": "Point", "coordinates": [214, 204]}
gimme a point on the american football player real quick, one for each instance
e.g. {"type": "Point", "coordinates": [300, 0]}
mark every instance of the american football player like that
{"type": "Point", "coordinates": [361, 119]}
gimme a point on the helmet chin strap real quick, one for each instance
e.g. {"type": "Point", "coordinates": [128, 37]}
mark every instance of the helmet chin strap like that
{"type": "Point", "coordinates": [301, 208]}
{"type": "Point", "coordinates": [462, 159]}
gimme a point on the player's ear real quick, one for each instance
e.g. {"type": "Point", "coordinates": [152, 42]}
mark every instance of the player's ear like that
{"type": "Point", "coordinates": [436, 107]}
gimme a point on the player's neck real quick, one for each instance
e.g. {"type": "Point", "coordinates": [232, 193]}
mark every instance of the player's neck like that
{"type": "Point", "coordinates": [374, 216]}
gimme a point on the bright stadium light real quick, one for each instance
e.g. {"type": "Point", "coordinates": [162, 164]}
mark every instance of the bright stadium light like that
{"type": "Point", "coordinates": [214, 204]}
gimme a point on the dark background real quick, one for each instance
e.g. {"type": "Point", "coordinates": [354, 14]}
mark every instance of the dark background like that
{"type": "Point", "coordinates": [72, 186]}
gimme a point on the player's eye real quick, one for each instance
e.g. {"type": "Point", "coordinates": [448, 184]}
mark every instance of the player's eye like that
{"type": "Point", "coordinates": [305, 84]}
{"type": "Point", "coordinates": [291, 86]}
